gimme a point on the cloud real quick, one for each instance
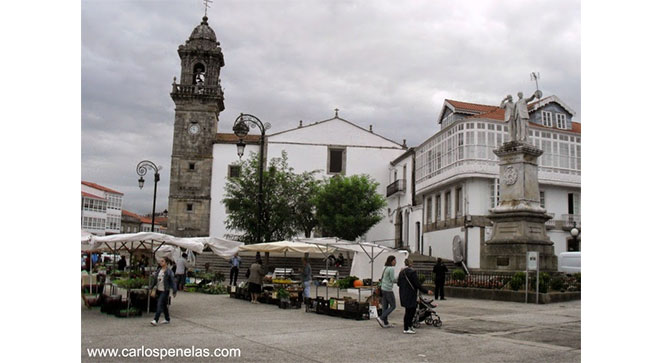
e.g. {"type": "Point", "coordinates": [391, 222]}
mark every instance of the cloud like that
{"type": "Point", "coordinates": [386, 63]}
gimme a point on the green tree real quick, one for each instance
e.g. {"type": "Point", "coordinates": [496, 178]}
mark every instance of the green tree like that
{"type": "Point", "coordinates": [284, 209]}
{"type": "Point", "coordinates": [347, 207]}
{"type": "Point", "coordinates": [305, 188]}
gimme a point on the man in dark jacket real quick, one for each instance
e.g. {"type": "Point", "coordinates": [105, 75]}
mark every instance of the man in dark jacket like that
{"type": "Point", "coordinates": [439, 271]}
{"type": "Point", "coordinates": [409, 284]}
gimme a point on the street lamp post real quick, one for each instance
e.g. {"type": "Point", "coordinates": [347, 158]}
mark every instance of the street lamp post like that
{"type": "Point", "coordinates": [141, 170]}
{"type": "Point", "coordinates": [575, 233]}
{"type": "Point", "coordinates": [242, 125]}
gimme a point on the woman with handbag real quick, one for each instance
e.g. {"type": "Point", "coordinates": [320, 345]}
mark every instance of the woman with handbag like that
{"type": "Point", "coordinates": [409, 284]}
{"type": "Point", "coordinates": [164, 282]}
{"type": "Point", "coordinates": [386, 287]}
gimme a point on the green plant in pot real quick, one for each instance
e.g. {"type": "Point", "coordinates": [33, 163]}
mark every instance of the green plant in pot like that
{"type": "Point", "coordinates": [518, 281]}
{"type": "Point", "coordinates": [135, 283]}
{"type": "Point", "coordinates": [458, 275]}
{"type": "Point", "coordinates": [544, 281]}
{"type": "Point", "coordinates": [558, 283]}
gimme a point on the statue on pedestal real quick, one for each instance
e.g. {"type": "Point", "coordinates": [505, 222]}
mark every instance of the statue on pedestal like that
{"type": "Point", "coordinates": [518, 220]}
{"type": "Point", "coordinates": [516, 113]}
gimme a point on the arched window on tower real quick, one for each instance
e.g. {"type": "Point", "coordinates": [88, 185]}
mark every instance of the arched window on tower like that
{"type": "Point", "coordinates": [199, 74]}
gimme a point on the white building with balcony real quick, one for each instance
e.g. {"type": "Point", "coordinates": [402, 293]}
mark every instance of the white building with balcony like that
{"type": "Point", "coordinates": [403, 211]}
{"type": "Point", "coordinates": [101, 209]}
{"type": "Point", "coordinates": [456, 177]}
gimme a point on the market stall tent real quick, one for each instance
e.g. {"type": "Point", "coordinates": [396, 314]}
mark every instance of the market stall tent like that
{"type": "Point", "coordinates": [154, 242]}
{"type": "Point", "coordinates": [287, 246]}
{"type": "Point", "coordinates": [369, 258]}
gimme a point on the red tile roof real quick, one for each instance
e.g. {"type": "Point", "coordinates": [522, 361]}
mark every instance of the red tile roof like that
{"type": "Point", "coordinates": [89, 195]}
{"type": "Point", "coordinates": [148, 220]}
{"type": "Point", "coordinates": [473, 107]}
{"type": "Point", "coordinates": [159, 220]}
{"type": "Point", "coordinates": [130, 214]}
{"type": "Point", "coordinates": [497, 113]}
{"type": "Point", "coordinates": [97, 186]}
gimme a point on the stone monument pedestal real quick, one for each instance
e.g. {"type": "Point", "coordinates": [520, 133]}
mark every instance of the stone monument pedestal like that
{"type": "Point", "coordinates": [519, 220]}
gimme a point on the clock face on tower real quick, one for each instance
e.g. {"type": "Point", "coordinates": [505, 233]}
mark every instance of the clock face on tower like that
{"type": "Point", "coordinates": [194, 129]}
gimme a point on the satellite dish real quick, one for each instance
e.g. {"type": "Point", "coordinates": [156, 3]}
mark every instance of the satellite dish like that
{"type": "Point", "coordinates": [458, 249]}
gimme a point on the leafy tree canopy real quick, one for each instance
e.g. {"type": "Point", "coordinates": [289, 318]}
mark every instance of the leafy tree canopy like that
{"type": "Point", "coordinates": [347, 207]}
{"type": "Point", "coordinates": [286, 209]}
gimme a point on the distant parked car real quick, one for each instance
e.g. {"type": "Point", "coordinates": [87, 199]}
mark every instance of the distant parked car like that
{"type": "Point", "coordinates": [568, 262]}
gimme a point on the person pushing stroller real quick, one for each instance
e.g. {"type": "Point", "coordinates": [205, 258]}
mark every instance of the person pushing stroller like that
{"type": "Point", "coordinates": [409, 285]}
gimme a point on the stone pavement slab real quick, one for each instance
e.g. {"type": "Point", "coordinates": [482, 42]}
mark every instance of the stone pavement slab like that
{"type": "Point", "coordinates": [473, 331]}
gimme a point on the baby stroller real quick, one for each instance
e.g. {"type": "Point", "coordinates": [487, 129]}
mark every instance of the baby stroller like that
{"type": "Point", "coordinates": [425, 312]}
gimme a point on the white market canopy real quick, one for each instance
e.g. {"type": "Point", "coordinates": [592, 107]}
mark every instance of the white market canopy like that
{"type": "Point", "coordinates": [286, 246]}
{"type": "Point", "coordinates": [153, 240]}
{"type": "Point", "coordinates": [369, 257]}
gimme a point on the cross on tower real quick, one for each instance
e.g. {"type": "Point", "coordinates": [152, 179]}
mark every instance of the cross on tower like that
{"type": "Point", "coordinates": [207, 2]}
{"type": "Point", "coordinates": [336, 112]}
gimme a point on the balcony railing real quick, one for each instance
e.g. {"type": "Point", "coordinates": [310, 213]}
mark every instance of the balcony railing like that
{"type": "Point", "coordinates": [197, 90]}
{"type": "Point", "coordinates": [397, 186]}
{"type": "Point", "coordinates": [569, 219]}
{"type": "Point", "coordinates": [563, 221]}
{"type": "Point", "coordinates": [551, 222]}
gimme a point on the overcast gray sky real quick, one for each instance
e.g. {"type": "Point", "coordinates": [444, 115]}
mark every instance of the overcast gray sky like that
{"type": "Point", "coordinates": [386, 63]}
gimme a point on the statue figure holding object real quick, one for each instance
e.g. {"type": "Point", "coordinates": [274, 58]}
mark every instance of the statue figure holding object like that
{"type": "Point", "coordinates": [516, 113]}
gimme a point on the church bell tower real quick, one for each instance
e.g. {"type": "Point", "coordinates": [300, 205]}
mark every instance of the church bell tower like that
{"type": "Point", "coordinates": [198, 101]}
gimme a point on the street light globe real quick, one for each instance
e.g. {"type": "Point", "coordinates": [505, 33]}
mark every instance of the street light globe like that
{"type": "Point", "coordinates": [241, 147]}
{"type": "Point", "coordinates": [141, 181]}
{"type": "Point", "coordinates": [575, 232]}
{"type": "Point", "coordinates": [241, 129]}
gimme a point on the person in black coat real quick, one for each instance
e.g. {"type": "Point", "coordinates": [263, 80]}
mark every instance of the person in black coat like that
{"type": "Point", "coordinates": [122, 263]}
{"type": "Point", "coordinates": [409, 284]}
{"type": "Point", "coordinates": [439, 271]}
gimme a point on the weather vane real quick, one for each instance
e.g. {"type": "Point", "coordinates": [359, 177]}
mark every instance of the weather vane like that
{"type": "Point", "coordinates": [207, 2]}
{"type": "Point", "coordinates": [535, 77]}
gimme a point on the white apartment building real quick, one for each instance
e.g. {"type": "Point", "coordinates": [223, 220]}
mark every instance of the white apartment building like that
{"type": "Point", "coordinates": [456, 176]}
{"type": "Point", "coordinates": [101, 209]}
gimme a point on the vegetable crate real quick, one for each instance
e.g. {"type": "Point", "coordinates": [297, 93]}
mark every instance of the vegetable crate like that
{"type": "Point", "coordinates": [356, 310]}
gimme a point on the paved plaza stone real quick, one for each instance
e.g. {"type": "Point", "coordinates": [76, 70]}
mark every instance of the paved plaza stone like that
{"type": "Point", "coordinates": [473, 331]}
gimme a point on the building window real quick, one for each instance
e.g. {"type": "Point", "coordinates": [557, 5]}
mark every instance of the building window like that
{"type": "Point", "coordinates": [336, 161]}
{"type": "Point", "coordinates": [428, 212]}
{"type": "Point", "coordinates": [234, 171]}
{"type": "Point", "coordinates": [448, 205]}
{"type": "Point", "coordinates": [459, 201]}
{"type": "Point", "coordinates": [574, 203]}
{"type": "Point", "coordinates": [93, 223]}
{"type": "Point", "coordinates": [547, 118]}
{"type": "Point", "coordinates": [192, 166]}
{"type": "Point", "coordinates": [438, 161]}
{"type": "Point", "coordinates": [542, 199]}
{"type": "Point", "coordinates": [561, 120]}
{"type": "Point", "coordinates": [114, 201]}
{"type": "Point", "coordinates": [113, 222]}
{"type": "Point", "coordinates": [189, 207]}
{"type": "Point", "coordinates": [438, 203]}
{"type": "Point", "coordinates": [494, 192]}
{"type": "Point", "coordinates": [95, 205]}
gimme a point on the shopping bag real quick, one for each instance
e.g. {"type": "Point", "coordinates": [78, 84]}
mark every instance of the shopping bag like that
{"type": "Point", "coordinates": [372, 312]}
